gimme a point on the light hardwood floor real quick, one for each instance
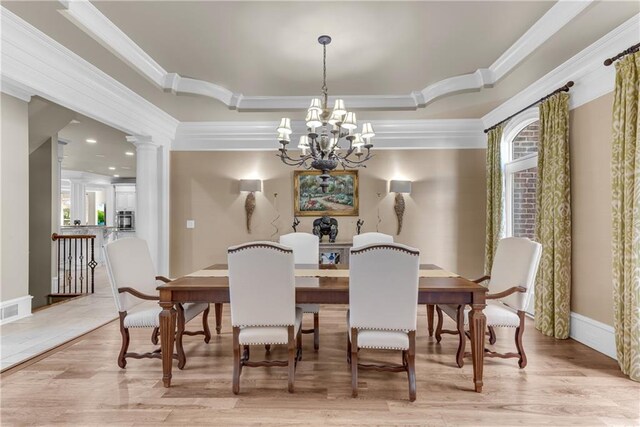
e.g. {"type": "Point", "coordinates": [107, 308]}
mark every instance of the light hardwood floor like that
{"type": "Point", "coordinates": [565, 383]}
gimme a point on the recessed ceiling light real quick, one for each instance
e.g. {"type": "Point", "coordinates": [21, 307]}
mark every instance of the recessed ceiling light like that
{"type": "Point", "coordinates": [99, 155]}
{"type": "Point", "coordinates": [129, 153]}
{"type": "Point", "coordinates": [112, 168]}
{"type": "Point", "coordinates": [116, 176]}
{"type": "Point", "coordinates": [91, 140]}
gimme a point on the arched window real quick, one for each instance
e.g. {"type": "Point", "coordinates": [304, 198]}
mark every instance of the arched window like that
{"type": "Point", "coordinates": [520, 154]}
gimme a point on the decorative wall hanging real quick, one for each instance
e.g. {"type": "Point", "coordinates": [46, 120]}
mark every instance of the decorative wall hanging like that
{"type": "Point", "coordinates": [274, 223]}
{"type": "Point", "coordinates": [359, 225]}
{"type": "Point", "coordinates": [250, 186]}
{"type": "Point", "coordinates": [295, 224]}
{"type": "Point", "coordinates": [326, 226]}
{"type": "Point", "coordinates": [400, 188]}
{"type": "Point", "coordinates": [340, 198]}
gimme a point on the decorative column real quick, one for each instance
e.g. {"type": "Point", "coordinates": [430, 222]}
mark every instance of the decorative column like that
{"type": "Point", "coordinates": [78, 208]}
{"type": "Point", "coordinates": [61, 145]}
{"type": "Point", "coordinates": [147, 215]}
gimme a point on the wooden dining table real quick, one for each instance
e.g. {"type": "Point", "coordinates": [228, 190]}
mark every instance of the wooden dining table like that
{"type": "Point", "coordinates": [211, 285]}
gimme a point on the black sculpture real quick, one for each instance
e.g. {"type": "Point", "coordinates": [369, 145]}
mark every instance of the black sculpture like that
{"type": "Point", "coordinates": [295, 224]}
{"type": "Point", "coordinates": [359, 225]}
{"type": "Point", "coordinates": [326, 226]}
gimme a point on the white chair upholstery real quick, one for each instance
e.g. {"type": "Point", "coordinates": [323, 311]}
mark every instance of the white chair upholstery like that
{"type": "Point", "coordinates": [371, 238]}
{"type": "Point", "coordinates": [306, 250]}
{"type": "Point", "coordinates": [383, 305]}
{"type": "Point", "coordinates": [263, 304]}
{"type": "Point", "coordinates": [129, 265]}
{"type": "Point", "coordinates": [515, 265]}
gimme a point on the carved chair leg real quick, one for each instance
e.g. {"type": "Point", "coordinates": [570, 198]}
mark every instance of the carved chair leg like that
{"type": "Point", "coordinates": [439, 326]}
{"type": "Point", "coordinates": [122, 361]}
{"type": "Point", "coordinates": [291, 364]}
{"type": "Point", "coordinates": [522, 362]}
{"type": "Point", "coordinates": [299, 345]}
{"type": "Point", "coordinates": [246, 352]}
{"type": "Point", "coordinates": [492, 335]}
{"type": "Point", "coordinates": [267, 347]}
{"type": "Point", "coordinates": [461, 335]}
{"type": "Point", "coordinates": [354, 362]}
{"type": "Point", "coordinates": [316, 331]}
{"type": "Point", "coordinates": [218, 310]}
{"type": "Point", "coordinates": [411, 365]}
{"type": "Point", "coordinates": [236, 360]}
{"type": "Point", "coordinates": [205, 325]}
{"type": "Point", "coordinates": [348, 349]}
{"type": "Point", "coordinates": [430, 312]}
{"type": "Point", "coordinates": [182, 359]}
{"type": "Point", "coordinates": [154, 335]}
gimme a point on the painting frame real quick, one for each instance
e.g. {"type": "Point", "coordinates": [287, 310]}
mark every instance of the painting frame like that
{"type": "Point", "coordinates": [354, 211]}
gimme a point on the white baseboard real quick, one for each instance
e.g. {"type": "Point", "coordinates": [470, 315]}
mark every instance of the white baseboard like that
{"type": "Point", "coordinates": [15, 309]}
{"type": "Point", "coordinates": [593, 334]}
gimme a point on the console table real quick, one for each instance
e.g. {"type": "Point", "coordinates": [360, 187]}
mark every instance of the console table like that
{"type": "Point", "coordinates": [340, 248]}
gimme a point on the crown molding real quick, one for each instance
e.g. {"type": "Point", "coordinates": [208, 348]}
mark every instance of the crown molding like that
{"type": "Point", "coordinates": [15, 90]}
{"type": "Point", "coordinates": [39, 65]}
{"type": "Point", "coordinates": [592, 79]}
{"type": "Point", "coordinates": [87, 17]}
{"type": "Point", "coordinates": [399, 134]}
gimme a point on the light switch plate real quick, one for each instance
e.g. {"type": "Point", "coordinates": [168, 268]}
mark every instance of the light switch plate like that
{"type": "Point", "coordinates": [191, 223]}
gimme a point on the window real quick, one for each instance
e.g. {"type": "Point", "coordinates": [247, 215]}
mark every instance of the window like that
{"type": "Point", "coordinates": [520, 151]}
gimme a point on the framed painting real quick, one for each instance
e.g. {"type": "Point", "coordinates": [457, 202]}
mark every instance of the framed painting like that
{"type": "Point", "coordinates": [341, 198]}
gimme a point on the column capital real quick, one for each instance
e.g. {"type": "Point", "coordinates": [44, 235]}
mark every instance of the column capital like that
{"type": "Point", "coordinates": [140, 141]}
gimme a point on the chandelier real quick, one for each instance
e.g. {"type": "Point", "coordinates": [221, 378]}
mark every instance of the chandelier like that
{"type": "Point", "coordinates": [331, 138]}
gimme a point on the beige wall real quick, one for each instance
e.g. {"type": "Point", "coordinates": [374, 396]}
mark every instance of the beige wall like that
{"type": "Point", "coordinates": [444, 215]}
{"type": "Point", "coordinates": [590, 139]}
{"type": "Point", "coordinates": [14, 192]}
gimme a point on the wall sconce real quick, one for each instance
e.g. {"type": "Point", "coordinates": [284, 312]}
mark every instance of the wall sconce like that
{"type": "Point", "coordinates": [400, 188]}
{"type": "Point", "coordinates": [250, 186]}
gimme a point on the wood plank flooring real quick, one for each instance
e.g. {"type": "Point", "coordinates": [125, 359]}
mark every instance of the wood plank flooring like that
{"type": "Point", "coordinates": [565, 383]}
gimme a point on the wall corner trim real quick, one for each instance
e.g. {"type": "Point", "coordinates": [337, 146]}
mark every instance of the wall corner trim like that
{"type": "Point", "coordinates": [594, 334]}
{"type": "Point", "coordinates": [17, 308]}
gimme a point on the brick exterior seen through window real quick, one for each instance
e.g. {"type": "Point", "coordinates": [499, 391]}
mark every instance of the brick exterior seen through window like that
{"type": "Point", "coordinates": [524, 183]}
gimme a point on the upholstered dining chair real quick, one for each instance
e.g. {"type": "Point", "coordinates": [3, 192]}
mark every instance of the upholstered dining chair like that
{"type": "Point", "coordinates": [133, 281]}
{"type": "Point", "coordinates": [259, 272]}
{"type": "Point", "coordinates": [306, 250]}
{"type": "Point", "coordinates": [370, 238]}
{"type": "Point", "coordinates": [382, 316]}
{"type": "Point", "coordinates": [512, 279]}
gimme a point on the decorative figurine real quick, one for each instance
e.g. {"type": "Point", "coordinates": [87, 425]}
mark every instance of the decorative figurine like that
{"type": "Point", "coordinates": [295, 224]}
{"type": "Point", "coordinates": [399, 208]}
{"type": "Point", "coordinates": [359, 225]}
{"type": "Point", "coordinates": [326, 226]}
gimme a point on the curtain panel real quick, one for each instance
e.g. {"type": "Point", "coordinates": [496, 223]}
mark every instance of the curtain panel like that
{"type": "Point", "coordinates": [625, 174]}
{"type": "Point", "coordinates": [553, 221]}
{"type": "Point", "coordinates": [494, 196]}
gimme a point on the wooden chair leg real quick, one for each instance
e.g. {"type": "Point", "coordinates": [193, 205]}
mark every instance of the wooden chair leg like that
{"type": "Point", "coordinates": [291, 364]}
{"type": "Point", "coordinates": [154, 336]}
{"type": "Point", "coordinates": [492, 335]}
{"type": "Point", "coordinates": [205, 325]}
{"type": "Point", "coordinates": [430, 312]}
{"type": "Point", "coordinates": [411, 365]}
{"type": "Point", "coordinates": [461, 335]}
{"type": "Point", "coordinates": [267, 347]}
{"type": "Point", "coordinates": [439, 327]}
{"type": "Point", "coordinates": [316, 331]}
{"type": "Point", "coordinates": [299, 345]}
{"type": "Point", "coordinates": [522, 362]}
{"type": "Point", "coordinates": [218, 310]}
{"type": "Point", "coordinates": [182, 359]}
{"type": "Point", "coordinates": [236, 360]}
{"type": "Point", "coordinates": [122, 360]}
{"type": "Point", "coordinates": [348, 349]}
{"type": "Point", "coordinates": [354, 362]}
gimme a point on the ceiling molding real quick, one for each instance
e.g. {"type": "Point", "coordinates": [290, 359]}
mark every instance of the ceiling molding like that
{"type": "Point", "coordinates": [99, 27]}
{"type": "Point", "coordinates": [390, 134]}
{"type": "Point", "coordinates": [35, 62]}
{"type": "Point", "coordinates": [15, 90]}
{"type": "Point", "coordinates": [591, 78]}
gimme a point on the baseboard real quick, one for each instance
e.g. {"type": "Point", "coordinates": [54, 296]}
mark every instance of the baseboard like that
{"type": "Point", "coordinates": [593, 334]}
{"type": "Point", "coordinates": [15, 309]}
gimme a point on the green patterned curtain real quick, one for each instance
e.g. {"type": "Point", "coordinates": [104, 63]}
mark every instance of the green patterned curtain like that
{"type": "Point", "coordinates": [494, 196]}
{"type": "Point", "coordinates": [553, 220]}
{"type": "Point", "coordinates": [625, 174]}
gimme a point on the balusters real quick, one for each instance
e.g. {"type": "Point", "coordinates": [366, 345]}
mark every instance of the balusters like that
{"type": "Point", "coordinates": [76, 263]}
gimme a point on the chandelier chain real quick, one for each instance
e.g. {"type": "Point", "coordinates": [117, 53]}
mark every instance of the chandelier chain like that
{"type": "Point", "coordinates": [325, 90]}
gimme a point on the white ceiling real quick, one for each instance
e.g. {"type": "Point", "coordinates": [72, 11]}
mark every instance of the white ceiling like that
{"type": "Point", "coordinates": [108, 151]}
{"type": "Point", "coordinates": [270, 48]}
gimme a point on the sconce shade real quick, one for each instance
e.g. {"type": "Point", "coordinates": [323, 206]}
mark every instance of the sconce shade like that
{"type": "Point", "coordinates": [396, 186]}
{"type": "Point", "coordinates": [251, 185]}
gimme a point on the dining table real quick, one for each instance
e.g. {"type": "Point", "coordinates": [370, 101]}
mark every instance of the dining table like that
{"type": "Point", "coordinates": [436, 286]}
